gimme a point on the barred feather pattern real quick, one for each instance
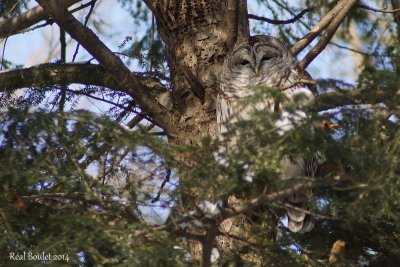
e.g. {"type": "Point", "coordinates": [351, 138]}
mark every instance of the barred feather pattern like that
{"type": "Point", "coordinates": [265, 61]}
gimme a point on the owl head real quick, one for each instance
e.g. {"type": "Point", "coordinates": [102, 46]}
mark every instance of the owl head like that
{"type": "Point", "coordinates": [257, 61]}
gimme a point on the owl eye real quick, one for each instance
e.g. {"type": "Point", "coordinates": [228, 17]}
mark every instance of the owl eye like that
{"type": "Point", "coordinates": [266, 58]}
{"type": "Point", "coordinates": [245, 63]}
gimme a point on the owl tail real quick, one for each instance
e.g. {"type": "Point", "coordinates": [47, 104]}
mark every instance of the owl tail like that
{"type": "Point", "coordinates": [298, 220]}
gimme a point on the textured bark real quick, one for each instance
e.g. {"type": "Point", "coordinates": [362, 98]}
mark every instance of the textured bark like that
{"type": "Point", "coordinates": [64, 74]}
{"type": "Point", "coordinates": [195, 36]}
{"type": "Point", "coordinates": [13, 25]}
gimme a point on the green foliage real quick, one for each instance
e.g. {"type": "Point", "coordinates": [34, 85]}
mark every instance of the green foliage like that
{"type": "Point", "coordinates": [81, 185]}
{"type": "Point", "coordinates": [50, 202]}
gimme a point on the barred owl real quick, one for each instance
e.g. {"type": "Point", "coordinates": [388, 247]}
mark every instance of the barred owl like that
{"type": "Point", "coordinates": [266, 61]}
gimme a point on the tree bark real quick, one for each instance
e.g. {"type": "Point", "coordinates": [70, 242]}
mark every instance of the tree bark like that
{"type": "Point", "coordinates": [197, 35]}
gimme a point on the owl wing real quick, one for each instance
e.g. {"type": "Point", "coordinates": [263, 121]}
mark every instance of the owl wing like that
{"type": "Point", "coordinates": [301, 166]}
{"type": "Point", "coordinates": [231, 110]}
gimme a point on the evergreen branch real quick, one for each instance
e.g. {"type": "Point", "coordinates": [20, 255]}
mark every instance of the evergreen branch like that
{"type": "Point", "coordinates": [275, 196]}
{"type": "Point", "coordinates": [112, 64]}
{"type": "Point", "coordinates": [14, 25]}
{"type": "Point", "coordinates": [316, 215]}
{"type": "Point", "coordinates": [64, 74]}
{"type": "Point", "coordinates": [351, 97]}
{"type": "Point", "coordinates": [279, 22]}
{"type": "Point", "coordinates": [113, 166]}
{"type": "Point", "coordinates": [344, 10]}
{"type": "Point", "coordinates": [7, 225]}
{"type": "Point", "coordinates": [246, 241]}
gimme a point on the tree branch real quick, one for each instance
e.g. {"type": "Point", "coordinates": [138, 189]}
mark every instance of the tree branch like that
{"type": "Point", "coordinates": [64, 74]}
{"type": "Point", "coordinates": [127, 81]}
{"type": "Point", "coordinates": [352, 97]}
{"type": "Point", "coordinates": [207, 244]}
{"type": "Point", "coordinates": [278, 22]}
{"type": "Point", "coordinates": [13, 25]}
{"type": "Point", "coordinates": [344, 10]}
{"type": "Point", "coordinates": [317, 29]}
{"type": "Point", "coordinates": [275, 196]}
{"type": "Point", "coordinates": [377, 9]}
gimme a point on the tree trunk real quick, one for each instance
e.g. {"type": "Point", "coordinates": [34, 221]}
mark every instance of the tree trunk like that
{"type": "Point", "coordinates": [197, 35]}
{"type": "Point", "coordinates": [196, 40]}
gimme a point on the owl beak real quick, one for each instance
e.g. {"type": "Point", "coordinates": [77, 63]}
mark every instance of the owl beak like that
{"type": "Point", "coordinates": [257, 71]}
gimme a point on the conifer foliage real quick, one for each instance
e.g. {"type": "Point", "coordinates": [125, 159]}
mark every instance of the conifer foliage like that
{"type": "Point", "coordinates": [144, 182]}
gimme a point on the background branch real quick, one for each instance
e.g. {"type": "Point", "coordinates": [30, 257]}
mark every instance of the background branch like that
{"type": "Point", "coordinates": [13, 25]}
{"type": "Point", "coordinates": [378, 9]}
{"type": "Point", "coordinates": [317, 29]}
{"type": "Point", "coordinates": [278, 22]}
{"type": "Point", "coordinates": [111, 63]}
{"type": "Point", "coordinates": [344, 9]}
{"type": "Point", "coordinates": [63, 74]}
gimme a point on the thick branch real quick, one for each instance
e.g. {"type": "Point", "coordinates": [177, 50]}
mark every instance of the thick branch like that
{"type": "Point", "coordinates": [111, 63]}
{"type": "Point", "coordinates": [63, 74]}
{"type": "Point", "coordinates": [314, 32]}
{"type": "Point", "coordinates": [13, 25]}
{"type": "Point", "coordinates": [345, 7]}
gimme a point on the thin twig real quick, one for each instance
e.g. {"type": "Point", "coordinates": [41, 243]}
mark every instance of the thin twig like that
{"type": "Point", "coordinates": [112, 167]}
{"type": "Point", "coordinates": [63, 52]}
{"type": "Point", "coordinates": [112, 64]}
{"type": "Point", "coordinates": [383, 10]}
{"type": "Point", "coordinates": [92, 3]}
{"type": "Point", "coordinates": [108, 102]}
{"type": "Point", "coordinates": [278, 22]}
{"type": "Point", "coordinates": [50, 21]}
{"type": "Point", "coordinates": [166, 180]}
